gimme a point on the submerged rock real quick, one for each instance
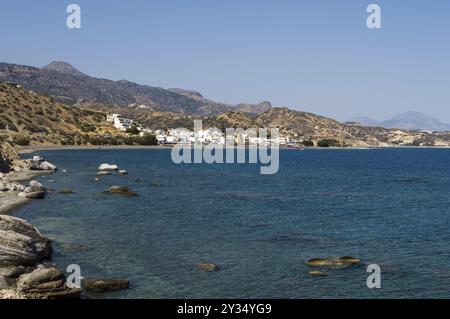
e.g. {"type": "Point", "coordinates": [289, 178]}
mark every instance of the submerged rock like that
{"type": "Point", "coordinates": [208, 266]}
{"type": "Point", "coordinates": [318, 273]}
{"type": "Point", "coordinates": [122, 190]}
{"type": "Point", "coordinates": [21, 244]}
{"type": "Point", "coordinates": [333, 261]}
{"type": "Point", "coordinates": [103, 285]}
{"type": "Point", "coordinates": [66, 191]}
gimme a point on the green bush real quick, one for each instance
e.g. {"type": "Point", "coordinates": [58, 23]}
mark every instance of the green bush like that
{"type": "Point", "coordinates": [328, 143]}
{"type": "Point", "coordinates": [147, 139]}
{"type": "Point", "coordinates": [21, 141]}
{"type": "Point", "coordinates": [133, 130]}
{"type": "Point", "coordinates": [307, 143]}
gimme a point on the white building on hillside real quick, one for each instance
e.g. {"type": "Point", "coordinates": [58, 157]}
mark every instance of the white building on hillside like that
{"type": "Point", "coordinates": [119, 122]}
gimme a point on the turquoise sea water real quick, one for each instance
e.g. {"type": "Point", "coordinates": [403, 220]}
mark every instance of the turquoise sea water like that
{"type": "Point", "coordinates": [390, 207]}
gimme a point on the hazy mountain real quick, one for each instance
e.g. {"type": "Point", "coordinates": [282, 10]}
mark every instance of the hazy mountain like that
{"type": "Point", "coordinates": [407, 121]}
{"type": "Point", "coordinates": [415, 121]}
{"type": "Point", "coordinates": [70, 86]}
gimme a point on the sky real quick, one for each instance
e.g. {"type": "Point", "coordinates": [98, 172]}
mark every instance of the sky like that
{"type": "Point", "coordinates": [317, 55]}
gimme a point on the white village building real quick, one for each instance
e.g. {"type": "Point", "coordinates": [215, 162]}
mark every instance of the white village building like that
{"type": "Point", "coordinates": [119, 122]}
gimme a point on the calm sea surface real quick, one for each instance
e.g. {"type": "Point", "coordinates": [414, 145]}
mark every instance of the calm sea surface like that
{"type": "Point", "coordinates": [390, 207]}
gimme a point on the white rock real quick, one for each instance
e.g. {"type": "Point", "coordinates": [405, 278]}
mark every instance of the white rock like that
{"type": "Point", "coordinates": [38, 158]}
{"type": "Point", "coordinates": [35, 186]}
{"type": "Point", "coordinates": [108, 167]}
{"type": "Point", "coordinates": [46, 166]}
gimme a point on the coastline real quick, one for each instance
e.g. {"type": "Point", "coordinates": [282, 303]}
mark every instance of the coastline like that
{"type": "Point", "coordinates": [35, 148]}
{"type": "Point", "coordinates": [9, 201]}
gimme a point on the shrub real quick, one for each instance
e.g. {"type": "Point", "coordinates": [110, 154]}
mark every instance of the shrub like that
{"type": "Point", "coordinates": [147, 139]}
{"type": "Point", "coordinates": [21, 141]}
{"type": "Point", "coordinates": [132, 130]}
{"type": "Point", "coordinates": [307, 143]}
{"type": "Point", "coordinates": [328, 143]}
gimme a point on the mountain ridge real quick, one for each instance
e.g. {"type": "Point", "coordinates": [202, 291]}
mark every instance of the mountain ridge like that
{"type": "Point", "coordinates": [72, 87]}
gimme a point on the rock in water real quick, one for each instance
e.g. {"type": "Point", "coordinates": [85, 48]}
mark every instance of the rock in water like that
{"type": "Point", "coordinates": [21, 244]}
{"type": "Point", "coordinates": [35, 191]}
{"type": "Point", "coordinates": [46, 283]}
{"type": "Point", "coordinates": [333, 262]}
{"type": "Point", "coordinates": [65, 191]}
{"type": "Point", "coordinates": [317, 273]}
{"type": "Point", "coordinates": [122, 190]}
{"type": "Point", "coordinates": [208, 266]}
{"type": "Point", "coordinates": [102, 285]}
{"type": "Point", "coordinates": [107, 168]}
{"type": "Point", "coordinates": [46, 166]}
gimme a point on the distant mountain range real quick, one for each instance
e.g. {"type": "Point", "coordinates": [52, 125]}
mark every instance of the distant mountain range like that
{"type": "Point", "coordinates": [72, 87]}
{"type": "Point", "coordinates": [407, 121]}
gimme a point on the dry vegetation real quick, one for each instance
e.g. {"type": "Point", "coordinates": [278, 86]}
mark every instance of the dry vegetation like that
{"type": "Point", "coordinates": [30, 118]}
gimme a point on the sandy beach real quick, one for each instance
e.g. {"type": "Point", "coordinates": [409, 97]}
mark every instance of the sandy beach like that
{"type": "Point", "coordinates": [35, 148]}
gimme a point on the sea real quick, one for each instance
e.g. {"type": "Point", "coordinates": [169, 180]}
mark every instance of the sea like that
{"type": "Point", "coordinates": [389, 207]}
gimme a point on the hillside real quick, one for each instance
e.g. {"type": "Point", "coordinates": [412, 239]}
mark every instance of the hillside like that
{"type": "Point", "coordinates": [72, 87]}
{"type": "Point", "coordinates": [300, 126]}
{"type": "Point", "coordinates": [27, 117]}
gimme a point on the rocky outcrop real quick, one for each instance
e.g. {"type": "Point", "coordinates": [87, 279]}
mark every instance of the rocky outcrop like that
{"type": "Point", "coordinates": [22, 248]}
{"type": "Point", "coordinates": [21, 244]}
{"type": "Point", "coordinates": [46, 283]}
{"type": "Point", "coordinates": [38, 163]}
{"type": "Point", "coordinates": [7, 157]}
{"type": "Point", "coordinates": [34, 191]}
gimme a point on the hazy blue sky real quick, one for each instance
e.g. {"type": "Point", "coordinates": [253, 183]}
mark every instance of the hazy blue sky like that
{"type": "Point", "coordinates": [317, 56]}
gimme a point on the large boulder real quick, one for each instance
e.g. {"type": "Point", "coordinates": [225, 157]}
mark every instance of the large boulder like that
{"type": "Point", "coordinates": [46, 283]}
{"type": "Point", "coordinates": [21, 244]}
{"type": "Point", "coordinates": [47, 166]}
{"type": "Point", "coordinates": [34, 191]}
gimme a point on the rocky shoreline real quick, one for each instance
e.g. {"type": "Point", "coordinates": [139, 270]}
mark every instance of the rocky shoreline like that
{"type": "Point", "coordinates": [23, 249]}
{"type": "Point", "coordinates": [25, 270]}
